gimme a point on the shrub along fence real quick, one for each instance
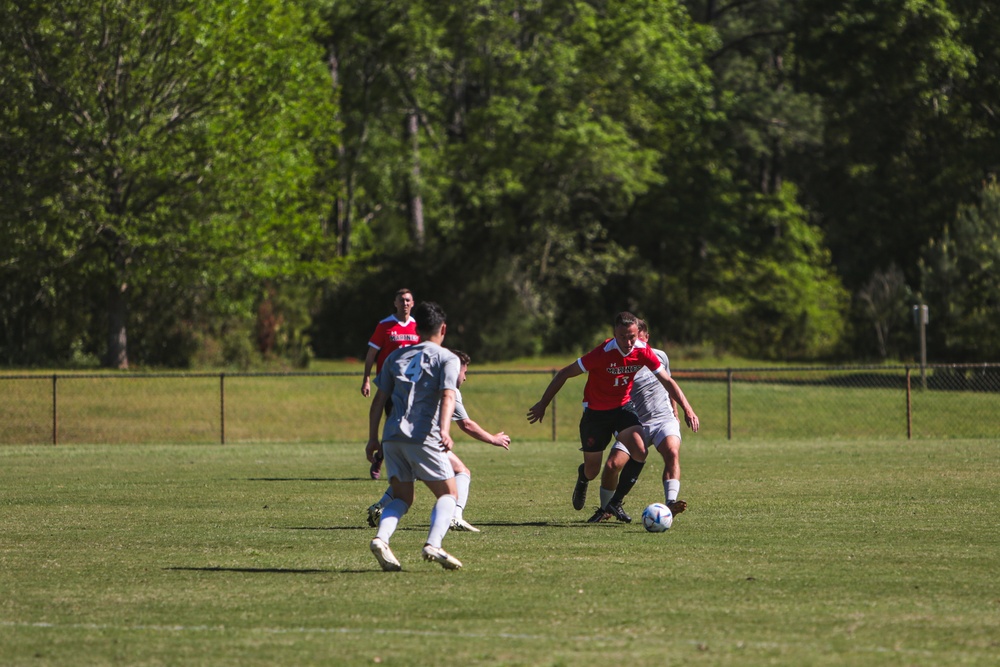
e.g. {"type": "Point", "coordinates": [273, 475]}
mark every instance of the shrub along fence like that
{"type": "Point", "coordinates": [846, 402]}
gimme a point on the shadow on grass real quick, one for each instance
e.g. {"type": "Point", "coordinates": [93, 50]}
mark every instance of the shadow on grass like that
{"type": "Point", "coordinates": [304, 479]}
{"type": "Point", "coordinates": [542, 524]}
{"type": "Point", "coordinates": [271, 570]}
{"type": "Point", "coordinates": [248, 570]}
{"type": "Point", "coordinates": [496, 524]}
{"type": "Point", "coordinates": [325, 528]}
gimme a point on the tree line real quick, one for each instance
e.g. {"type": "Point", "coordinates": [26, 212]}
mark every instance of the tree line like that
{"type": "Point", "coordinates": [187, 182]}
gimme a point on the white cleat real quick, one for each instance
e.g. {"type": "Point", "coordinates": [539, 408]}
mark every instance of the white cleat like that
{"type": "Point", "coordinates": [463, 526]}
{"type": "Point", "coordinates": [438, 555]}
{"type": "Point", "coordinates": [385, 557]}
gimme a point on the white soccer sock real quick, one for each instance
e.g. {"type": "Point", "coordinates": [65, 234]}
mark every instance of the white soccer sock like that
{"type": "Point", "coordinates": [391, 515]}
{"type": "Point", "coordinates": [462, 481]}
{"type": "Point", "coordinates": [386, 498]}
{"type": "Point", "coordinates": [671, 487]}
{"type": "Point", "coordinates": [606, 495]}
{"type": "Point", "coordinates": [441, 515]}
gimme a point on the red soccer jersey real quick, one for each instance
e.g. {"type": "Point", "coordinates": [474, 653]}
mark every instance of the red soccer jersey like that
{"type": "Point", "coordinates": [391, 334]}
{"type": "Point", "coordinates": [610, 373]}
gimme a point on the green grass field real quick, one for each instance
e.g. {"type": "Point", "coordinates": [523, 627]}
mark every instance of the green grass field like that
{"type": "Point", "coordinates": [794, 552]}
{"type": "Point", "coordinates": [172, 409]}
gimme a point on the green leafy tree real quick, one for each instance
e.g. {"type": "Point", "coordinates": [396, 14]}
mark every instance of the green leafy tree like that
{"type": "Point", "coordinates": [961, 284]}
{"type": "Point", "coordinates": [734, 257]}
{"type": "Point", "coordinates": [777, 296]}
{"type": "Point", "coordinates": [374, 51]}
{"type": "Point", "coordinates": [176, 148]}
{"type": "Point", "coordinates": [572, 162]}
{"type": "Point", "coordinates": [895, 160]}
{"type": "Point", "coordinates": [540, 125]}
{"type": "Point", "coordinates": [886, 300]}
{"type": "Point", "coordinates": [772, 122]}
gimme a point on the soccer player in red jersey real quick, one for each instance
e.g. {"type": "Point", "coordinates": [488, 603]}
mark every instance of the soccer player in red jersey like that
{"type": "Point", "coordinates": [611, 368]}
{"type": "Point", "coordinates": [396, 331]}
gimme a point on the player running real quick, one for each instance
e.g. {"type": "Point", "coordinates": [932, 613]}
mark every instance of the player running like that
{"type": "Point", "coordinates": [463, 477]}
{"type": "Point", "coordinates": [421, 381]}
{"type": "Point", "coordinates": [660, 430]}
{"type": "Point", "coordinates": [611, 369]}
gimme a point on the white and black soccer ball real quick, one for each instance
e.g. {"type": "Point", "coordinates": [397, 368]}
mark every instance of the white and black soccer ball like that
{"type": "Point", "coordinates": [657, 518]}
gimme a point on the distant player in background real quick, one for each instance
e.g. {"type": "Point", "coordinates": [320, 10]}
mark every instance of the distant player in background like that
{"type": "Point", "coordinates": [421, 381]}
{"type": "Point", "coordinates": [610, 369]}
{"type": "Point", "coordinates": [463, 477]}
{"type": "Point", "coordinates": [660, 430]}
{"type": "Point", "coordinates": [396, 331]}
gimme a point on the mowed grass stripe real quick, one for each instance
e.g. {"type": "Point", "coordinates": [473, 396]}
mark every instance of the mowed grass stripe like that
{"type": "Point", "coordinates": [395, 631]}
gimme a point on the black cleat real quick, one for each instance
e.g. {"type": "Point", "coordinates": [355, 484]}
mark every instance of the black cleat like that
{"type": "Point", "coordinates": [677, 507]}
{"type": "Point", "coordinates": [599, 515]}
{"type": "Point", "coordinates": [374, 514]}
{"type": "Point", "coordinates": [580, 491]}
{"type": "Point", "coordinates": [614, 508]}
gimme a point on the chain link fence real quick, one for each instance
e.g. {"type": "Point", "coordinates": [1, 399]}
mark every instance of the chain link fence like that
{"type": "Point", "coordinates": [859, 402]}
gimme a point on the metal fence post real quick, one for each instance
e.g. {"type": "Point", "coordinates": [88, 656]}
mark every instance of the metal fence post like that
{"type": "Point", "coordinates": [909, 407]}
{"type": "Point", "coordinates": [554, 413]}
{"type": "Point", "coordinates": [222, 407]}
{"type": "Point", "coordinates": [729, 403]}
{"type": "Point", "coordinates": [55, 411]}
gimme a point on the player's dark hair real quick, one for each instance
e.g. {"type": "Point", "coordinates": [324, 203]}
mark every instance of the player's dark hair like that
{"type": "Point", "coordinates": [462, 357]}
{"type": "Point", "coordinates": [643, 327]}
{"type": "Point", "coordinates": [429, 317]}
{"type": "Point", "coordinates": [625, 318]}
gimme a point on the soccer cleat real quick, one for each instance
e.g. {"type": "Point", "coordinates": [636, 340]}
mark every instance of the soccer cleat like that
{"type": "Point", "coordinates": [374, 514]}
{"type": "Point", "coordinates": [599, 515]}
{"type": "Point", "coordinates": [462, 525]}
{"type": "Point", "coordinates": [580, 490]}
{"type": "Point", "coordinates": [439, 555]}
{"type": "Point", "coordinates": [677, 506]}
{"type": "Point", "coordinates": [385, 557]}
{"type": "Point", "coordinates": [614, 508]}
{"type": "Point", "coordinates": [375, 470]}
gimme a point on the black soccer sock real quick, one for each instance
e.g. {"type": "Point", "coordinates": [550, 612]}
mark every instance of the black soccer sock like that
{"type": "Point", "coordinates": [582, 477]}
{"type": "Point", "coordinates": [629, 476]}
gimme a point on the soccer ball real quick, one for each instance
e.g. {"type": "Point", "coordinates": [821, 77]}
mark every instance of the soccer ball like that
{"type": "Point", "coordinates": [657, 518]}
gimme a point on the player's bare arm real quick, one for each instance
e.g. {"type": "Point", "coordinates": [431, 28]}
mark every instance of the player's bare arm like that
{"type": "Point", "coordinates": [447, 410]}
{"type": "Point", "coordinates": [476, 431]}
{"type": "Point", "coordinates": [676, 395]}
{"type": "Point", "coordinates": [366, 387]}
{"type": "Point", "coordinates": [374, 419]}
{"type": "Point", "coordinates": [537, 411]}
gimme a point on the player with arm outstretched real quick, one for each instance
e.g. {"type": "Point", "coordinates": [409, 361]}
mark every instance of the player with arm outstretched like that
{"type": "Point", "coordinates": [661, 431]}
{"type": "Point", "coordinates": [610, 368]}
{"type": "Point", "coordinates": [421, 381]}
{"type": "Point", "coordinates": [463, 476]}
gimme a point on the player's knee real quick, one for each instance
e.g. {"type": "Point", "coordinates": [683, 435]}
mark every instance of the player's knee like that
{"type": "Point", "coordinates": [636, 453]}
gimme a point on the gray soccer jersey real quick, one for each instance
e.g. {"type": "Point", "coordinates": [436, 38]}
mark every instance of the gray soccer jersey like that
{"type": "Point", "coordinates": [415, 378]}
{"type": "Point", "coordinates": [460, 413]}
{"type": "Point", "coordinates": [649, 399]}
